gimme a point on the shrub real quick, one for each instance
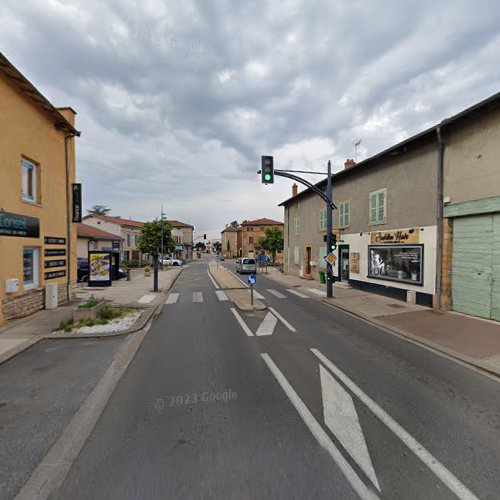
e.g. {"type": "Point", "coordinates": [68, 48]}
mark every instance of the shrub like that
{"type": "Point", "coordinates": [108, 313]}
{"type": "Point", "coordinates": [65, 325]}
{"type": "Point", "coordinates": [92, 302]}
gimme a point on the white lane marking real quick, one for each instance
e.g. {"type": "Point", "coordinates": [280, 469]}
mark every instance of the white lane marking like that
{"type": "Point", "coordinates": [146, 299]}
{"type": "Point", "coordinates": [221, 295]}
{"type": "Point", "coordinates": [257, 295]}
{"type": "Point", "coordinates": [267, 326]}
{"type": "Point", "coordinates": [172, 298]}
{"type": "Point", "coordinates": [301, 295]}
{"type": "Point", "coordinates": [282, 319]}
{"type": "Point", "coordinates": [319, 433]}
{"type": "Point", "coordinates": [241, 322]}
{"type": "Point", "coordinates": [197, 297]}
{"type": "Point", "coordinates": [276, 293]}
{"type": "Point", "coordinates": [317, 292]}
{"type": "Point", "coordinates": [342, 419]}
{"type": "Point", "coordinates": [212, 280]}
{"type": "Point", "coordinates": [240, 280]}
{"type": "Point", "coordinates": [452, 482]}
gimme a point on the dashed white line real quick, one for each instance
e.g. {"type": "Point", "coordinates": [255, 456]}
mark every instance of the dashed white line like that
{"type": "Point", "coordinates": [301, 295]}
{"type": "Point", "coordinates": [172, 298]}
{"type": "Point", "coordinates": [452, 482]}
{"type": "Point", "coordinates": [319, 433]}
{"type": "Point", "coordinates": [282, 319]}
{"type": "Point", "coordinates": [276, 293]}
{"type": "Point", "coordinates": [197, 297]}
{"type": "Point", "coordinates": [221, 295]}
{"type": "Point", "coordinates": [212, 280]}
{"type": "Point", "coordinates": [241, 322]}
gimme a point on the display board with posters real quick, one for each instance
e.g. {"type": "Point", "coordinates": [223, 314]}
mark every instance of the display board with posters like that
{"type": "Point", "coordinates": [403, 263]}
{"type": "Point", "coordinates": [99, 268]}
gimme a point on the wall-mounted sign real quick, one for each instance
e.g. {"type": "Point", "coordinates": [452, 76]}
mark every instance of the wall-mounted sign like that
{"type": "Point", "coordinates": [19, 225]}
{"type": "Point", "coordinates": [401, 236]}
{"type": "Point", "coordinates": [77, 203]}
{"type": "Point", "coordinates": [54, 252]}
{"type": "Point", "coordinates": [99, 268]}
{"type": "Point", "coordinates": [403, 263]}
{"type": "Point", "coordinates": [116, 246]}
{"type": "Point", "coordinates": [55, 274]}
{"type": "Point", "coordinates": [354, 260]}
{"type": "Point", "coordinates": [55, 263]}
{"type": "Point", "coordinates": [51, 240]}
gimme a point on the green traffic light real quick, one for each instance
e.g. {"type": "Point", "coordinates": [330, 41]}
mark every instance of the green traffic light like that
{"type": "Point", "coordinates": [267, 177]}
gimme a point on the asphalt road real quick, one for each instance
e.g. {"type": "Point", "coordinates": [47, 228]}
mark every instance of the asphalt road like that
{"type": "Point", "coordinates": [299, 401]}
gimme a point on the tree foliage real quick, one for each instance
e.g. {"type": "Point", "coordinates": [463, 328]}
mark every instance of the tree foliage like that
{"type": "Point", "coordinates": [150, 237]}
{"type": "Point", "coordinates": [217, 246]}
{"type": "Point", "coordinates": [200, 246]}
{"type": "Point", "coordinates": [99, 210]}
{"type": "Point", "coordinates": [272, 241]}
{"type": "Point", "coordinates": [234, 224]}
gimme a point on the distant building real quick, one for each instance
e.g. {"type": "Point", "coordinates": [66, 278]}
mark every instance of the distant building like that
{"type": "Point", "coordinates": [91, 238]}
{"type": "Point", "coordinates": [182, 234]}
{"type": "Point", "coordinates": [252, 231]}
{"type": "Point", "coordinates": [37, 165]}
{"type": "Point", "coordinates": [231, 242]}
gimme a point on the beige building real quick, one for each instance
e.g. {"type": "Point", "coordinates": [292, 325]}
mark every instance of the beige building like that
{"type": "Point", "coordinates": [91, 238]}
{"type": "Point", "coordinates": [253, 231]}
{"type": "Point", "coordinates": [231, 242]}
{"type": "Point", "coordinates": [37, 172]}
{"type": "Point", "coordinates": [182, 235]}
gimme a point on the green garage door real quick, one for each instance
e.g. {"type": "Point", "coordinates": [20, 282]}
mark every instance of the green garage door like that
{"type": "Point", "coordinates": [476, 265]}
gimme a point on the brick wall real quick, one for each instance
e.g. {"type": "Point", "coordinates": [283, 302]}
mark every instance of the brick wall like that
{"type": "Point", "coordinates": [62, 293]}
{"type": "Point", "coordinates": [24, 305]}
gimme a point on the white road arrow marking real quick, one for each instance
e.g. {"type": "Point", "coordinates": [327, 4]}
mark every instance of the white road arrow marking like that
{"type": "Point", "coordinates": [451, 481]}
{"type": "Point", "coordinates": [267, 326]}
{"type": "Point", "coordinates": [221, 295]}
{"type": "Point", "coordinates": [301, 295]}
{"type": "Point", "coordinates": [341, 418]}
{"type": "Point", "coordinates": [276, 293]}
{"type": "Point", "coordinates": [172, 298]}
{"type": "Point", "coordinates": [282, 319]}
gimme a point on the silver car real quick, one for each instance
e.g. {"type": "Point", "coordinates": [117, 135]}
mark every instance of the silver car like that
{"type": "Point", "coordinates": [246, 265]}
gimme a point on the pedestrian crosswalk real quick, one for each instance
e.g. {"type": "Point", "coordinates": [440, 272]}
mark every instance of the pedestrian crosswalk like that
{"type": "Point", "coordinates": [199, 297]}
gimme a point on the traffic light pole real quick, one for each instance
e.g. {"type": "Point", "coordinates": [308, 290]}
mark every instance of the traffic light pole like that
{"type": "Point", "coordinates": [329, 229]}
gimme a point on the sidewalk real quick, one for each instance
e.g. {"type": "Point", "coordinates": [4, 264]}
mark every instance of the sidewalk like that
{"type": "Point", "coordinates": [20, 334]}
{"type": "Point", "coordinates": [472, 340]}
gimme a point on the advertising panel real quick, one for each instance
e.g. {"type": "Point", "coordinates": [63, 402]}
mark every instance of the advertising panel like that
{"type": "Point", "coordinates": [99, 268]}
{"type": "Point", "coordinates": [19, 225]}
{"type": "Point", "coordinates": [403, 263]}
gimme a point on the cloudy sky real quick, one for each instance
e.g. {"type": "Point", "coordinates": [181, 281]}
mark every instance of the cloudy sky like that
{"type": "Point", "coordinates": [177, 101]}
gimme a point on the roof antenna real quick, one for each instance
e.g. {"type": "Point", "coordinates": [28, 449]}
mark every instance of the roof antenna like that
{"type": "Point", "coordinates": [356, 144]}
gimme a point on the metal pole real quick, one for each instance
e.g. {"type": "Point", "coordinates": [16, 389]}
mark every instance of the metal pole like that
{"type": "Point", "coordinates": [329, 229]}
{"type": "Point", "coordinates": [155, 273]}
{"type": "Point", "coordinates": [251, 294]}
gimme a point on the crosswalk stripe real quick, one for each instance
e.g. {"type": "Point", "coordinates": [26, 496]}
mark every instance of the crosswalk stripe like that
{"type": "Point", "coordinates": [221, 295]}
{"type": "Point", "coordinates": [197, 297]}
{"type": "Point", "coordinates": [172, 298]}
{"type": "Point", "coordinates": [276, 293]}
{"type": "Point", "coordinates": [257, 295]}
{"type": "Point", "coordinates": [317, 292]}
{"type": "Point", "coordinates": [301, 295]}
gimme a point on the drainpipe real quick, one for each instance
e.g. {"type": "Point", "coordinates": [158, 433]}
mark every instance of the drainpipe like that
{"type": "Point", "coordinates": [439, 253]}
{"type": "Point", "coordinates": [68, 213]}
{"type": "Point", "coordinates": [288, 242]}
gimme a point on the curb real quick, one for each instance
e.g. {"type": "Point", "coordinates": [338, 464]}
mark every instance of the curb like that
{"type": "Point", "coordinates": [431, 346]}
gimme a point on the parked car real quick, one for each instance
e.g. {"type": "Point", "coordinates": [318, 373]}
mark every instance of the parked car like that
{"type": "Point", "coordinates": [170, 261]}
{"type": "Point", "coordinates": [82, 269]}
{"type": "Point", "coordinates": [221, 257]}
{"type": "Point", "coordinates": [246, 265]}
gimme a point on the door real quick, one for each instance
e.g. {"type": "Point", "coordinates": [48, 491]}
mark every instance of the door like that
{"type": "Point", "coordinates": [308, 260]}
{"type": "Point", "coordinates": [476, 265]}
{"type": "Point", "coordinates": [344, 263]}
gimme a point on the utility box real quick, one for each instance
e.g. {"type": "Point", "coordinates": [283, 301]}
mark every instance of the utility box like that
{"type": "Point", "coordinates": [12, 285]}
{"type": "Point", "coordinates": [51, 296]}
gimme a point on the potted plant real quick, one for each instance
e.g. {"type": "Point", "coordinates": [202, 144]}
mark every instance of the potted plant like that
{"type": "Point", "coordinates": [147, 271]}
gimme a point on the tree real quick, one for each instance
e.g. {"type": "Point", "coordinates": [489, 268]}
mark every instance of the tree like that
{"type": "Point", "coordinates": [272, 241]}
{"type": "Point", "coordinates": [150, 237]}
{"type": "Point", "coordinates": [99, 210]}
{"type": "Point", "coordinates": [217, 246]}
{"type": "Point", "coordinates": [200, 246]}
{"type": "Point", "coordinates": [234, 224]}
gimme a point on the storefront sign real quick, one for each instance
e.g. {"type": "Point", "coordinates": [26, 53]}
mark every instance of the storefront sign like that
{"type": "Point", "coordinates": [77, 203]}
{"type": "Point", "coordinates": [54, 252]}
{"type": "Point", "coordinates": [403, 263]}
{"type": "Point", "coordinates": [19, 225]}
{"type": "Point", "coordinates": [99, 268]}
{"type": "Point", "coordinates": [354, 260]}
{"type": "Point", "coordinates": [116, 246]}
{"type": "Point", "coordinates": [51, 240]}
{"type": "Point", "coordinates": [55, 263]}
{"type": "Point", "coordinates": [55, 274]}
{"type": "Point", "coordinates": [401, 236]}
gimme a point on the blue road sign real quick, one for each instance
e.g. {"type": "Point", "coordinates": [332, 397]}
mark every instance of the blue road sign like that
{"type": "Point", "coordinates": [252, 279]}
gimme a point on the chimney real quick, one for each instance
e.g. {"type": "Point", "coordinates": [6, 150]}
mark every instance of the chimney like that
{"type": "Point", "coordinates": [295, 189]}
{"type": "Point", "coordinates": [349, 163]}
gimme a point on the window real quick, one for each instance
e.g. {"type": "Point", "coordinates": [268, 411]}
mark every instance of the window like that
{"type": "Point", "coordinates": [262, 228]}
{"type": "Point", "coordinates": [344, 213]}
{"type": "Point", "coordinates": [136, 238]}
{"type": "Point", "coordinates": [250, 239]}
{"type": "Point", "coordinates": [296, 225]}
{"type": "Point", "coordinates": [29, 180]}
{"type": "Point", "coordinates": [30, 267]}
{"type": "Point", "coordinates": [296, 255]}
{"type": "Point", "coordinates": [377, 206]}
{"type": "Point", "coordinates": [322, 220]}
{"type": "Point", "coordinates": [250, 228]}
{"type": "Point", "coordinates": [396, 263]}
{"type": "Point", "coordinates": [128, 239]}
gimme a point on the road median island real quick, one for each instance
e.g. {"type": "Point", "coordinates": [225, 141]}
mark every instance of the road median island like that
{"type": "Point", "coordinates": [235, 289]}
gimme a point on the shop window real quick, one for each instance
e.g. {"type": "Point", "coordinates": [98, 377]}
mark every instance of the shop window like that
{"type": "Point", "coordinates": [377, 206]}
{"type": "Point", "coordinates": [322, 220]}
{"type": "Point", "coordinates": [402, 263]}
{"type": "Point", "coordinates": [29, 180]}
{"type": "Point", "coordinates": [30, 267]}
{"type": "Point", "coordinates": [296, 225]}
{"type": "Point", "coordinates": [344, 214]}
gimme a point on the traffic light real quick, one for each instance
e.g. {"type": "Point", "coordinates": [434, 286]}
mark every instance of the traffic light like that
{"type": "Point", "coordinates": [333, 246]}
{"type": "Point", "coordinates": [204, 236]}
{"type": "Point", "coordinates": [267, 170]}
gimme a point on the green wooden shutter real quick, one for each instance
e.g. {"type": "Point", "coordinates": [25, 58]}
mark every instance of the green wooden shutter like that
{"type": "Point", "coordinates": [495, 291]}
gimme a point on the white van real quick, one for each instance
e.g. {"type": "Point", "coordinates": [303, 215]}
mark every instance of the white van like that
{"type": "Point", "coordinates": [246, 265]}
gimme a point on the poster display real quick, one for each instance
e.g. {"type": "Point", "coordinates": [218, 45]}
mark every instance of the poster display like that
{"type": "Point", "coordinates": [404, 263]}
{"type": "Point", "coordinates": [99, 268]}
